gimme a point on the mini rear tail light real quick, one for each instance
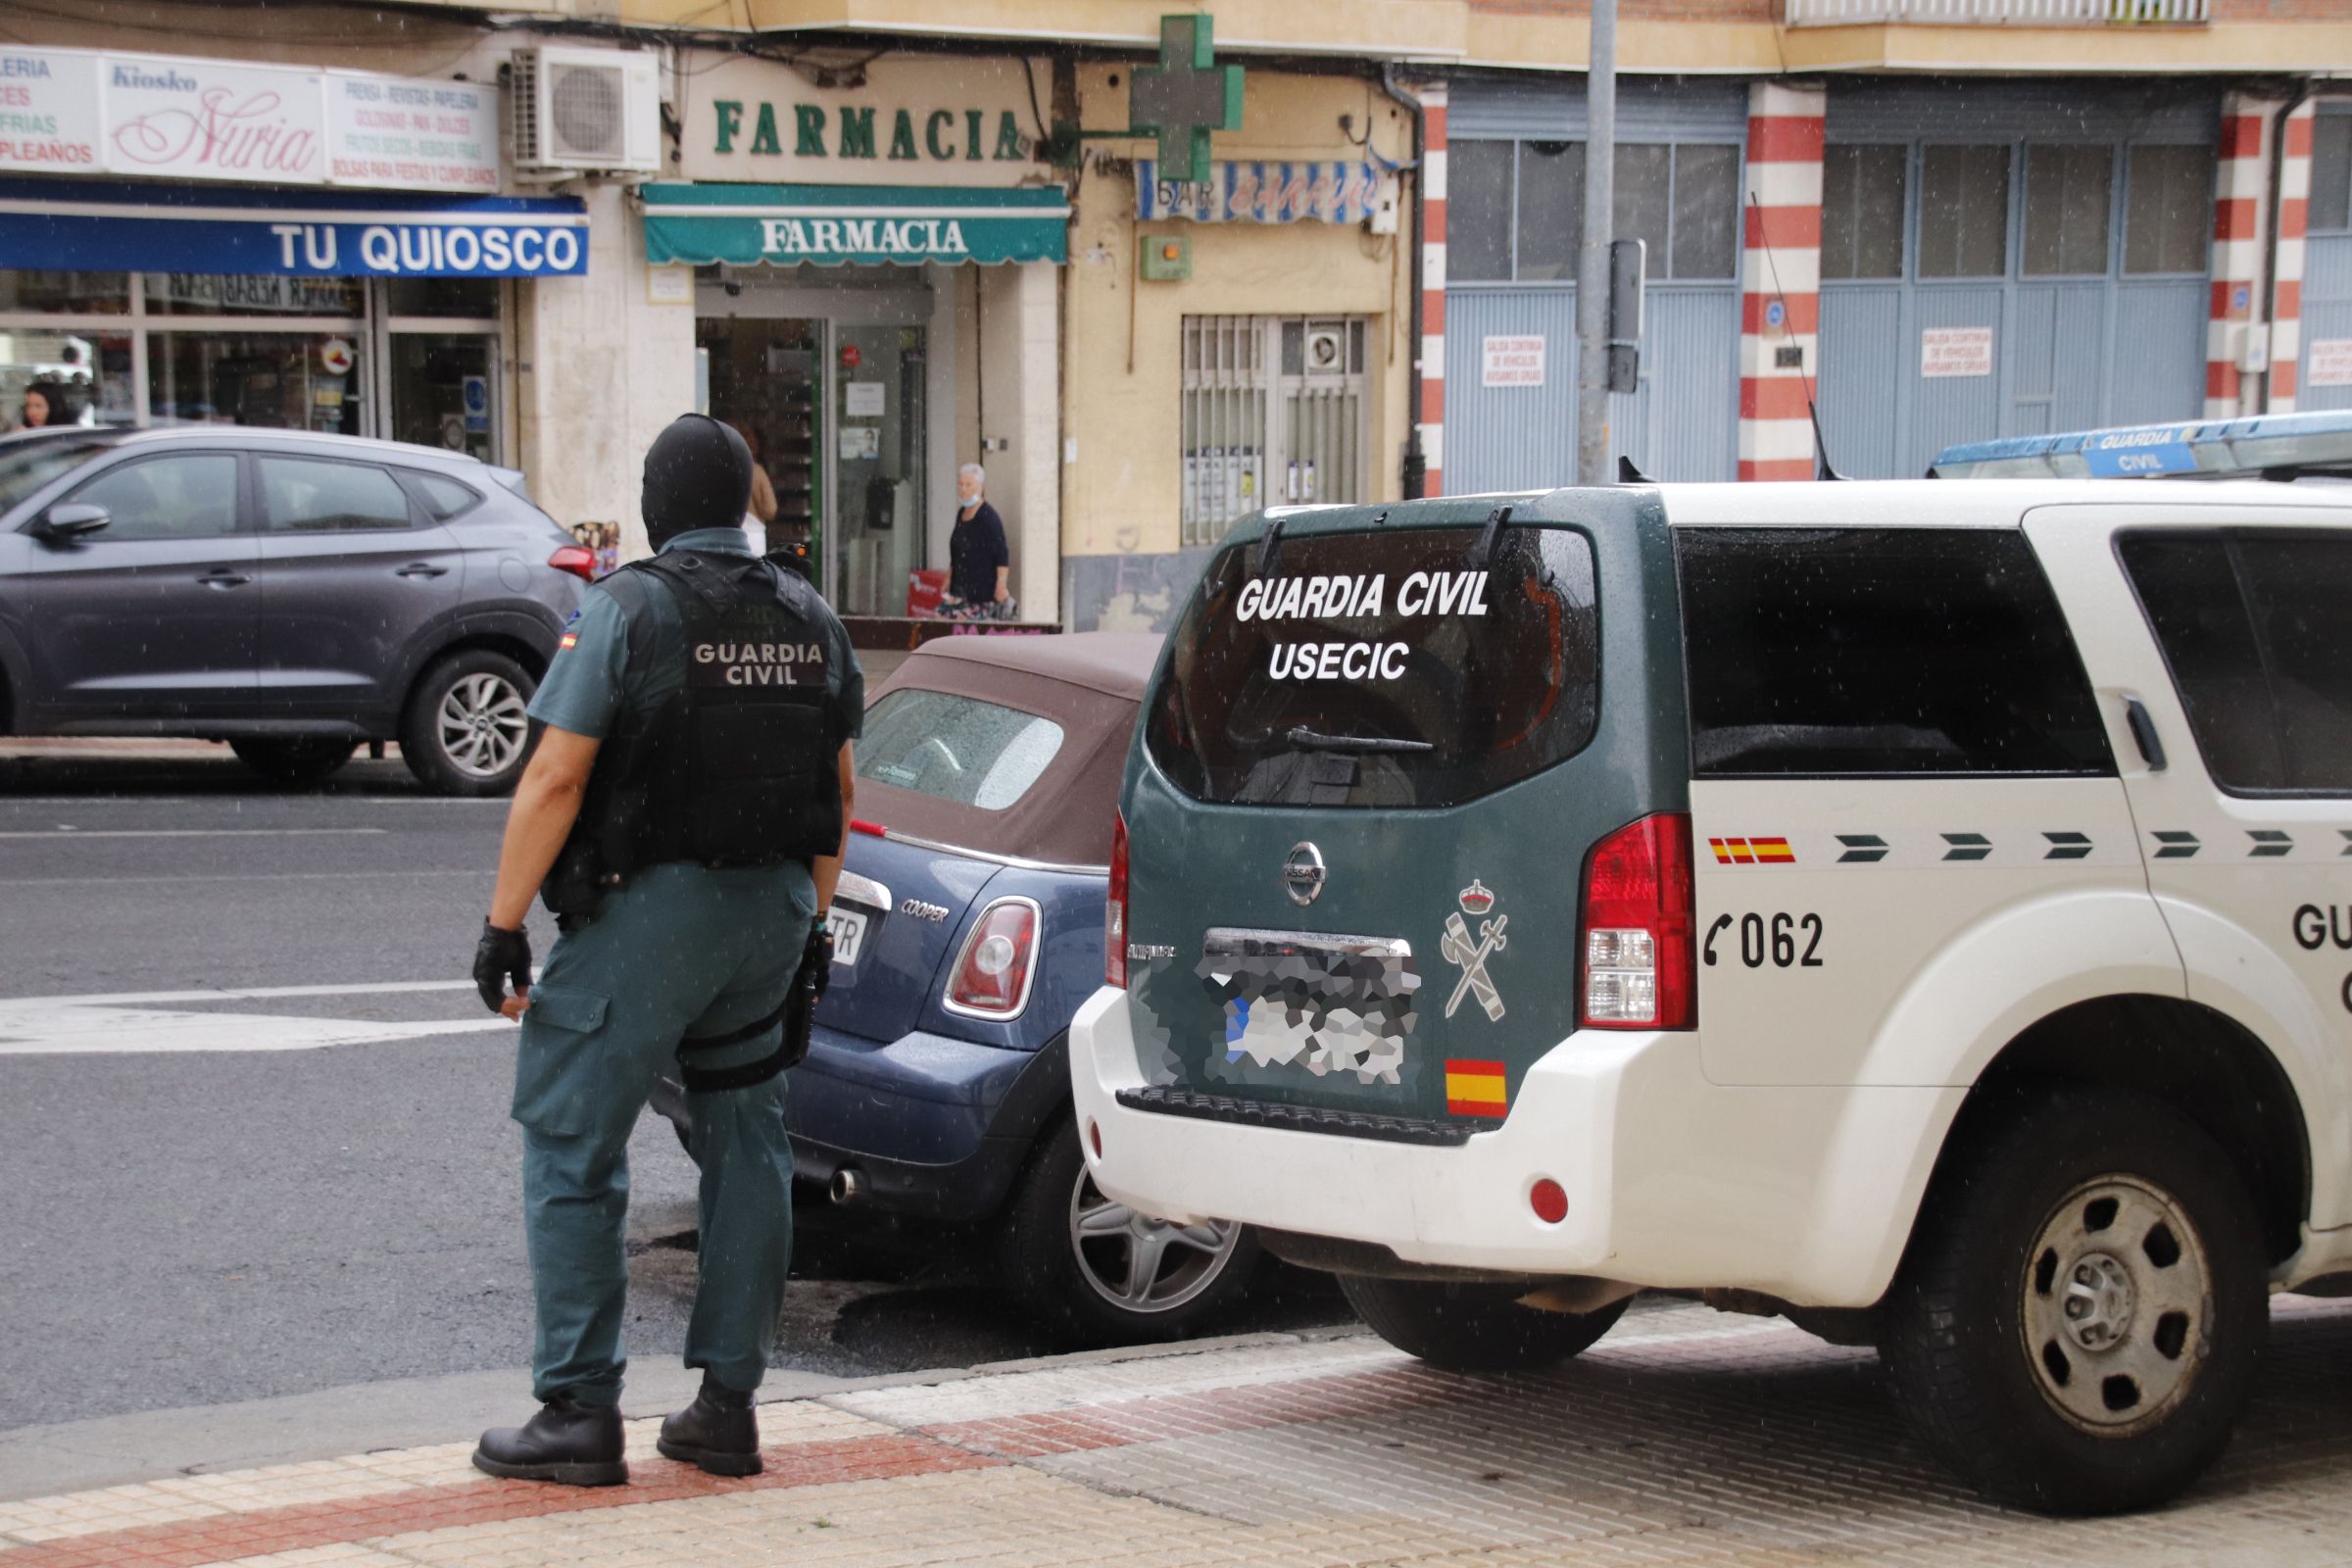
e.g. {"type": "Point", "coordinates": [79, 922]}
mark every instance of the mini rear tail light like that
{"type": "Point", "coordinates": [874, 829]}
{"type": "Point", "coordinates": [1114, 909]}
{"type": "Point", "coordinates": [578, 559]}
{"type": "Point", "coordinates": [1640, 957]}
{"type": "Point", "coordinates": [999, 961]}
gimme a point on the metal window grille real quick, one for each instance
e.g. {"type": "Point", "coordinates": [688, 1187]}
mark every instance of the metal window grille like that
{"type": "Point", "coordinates": [1273, 413]}
{"type": "Point", "coordinates": [2032, 13]}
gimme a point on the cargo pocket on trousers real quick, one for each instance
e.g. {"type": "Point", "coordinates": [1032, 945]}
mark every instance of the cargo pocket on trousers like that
{"type": "Point", "coordinates": [556, 1073]}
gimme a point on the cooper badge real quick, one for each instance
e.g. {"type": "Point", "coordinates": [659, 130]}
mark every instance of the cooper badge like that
{"type": "Point", "coordinates": [1458, 947]}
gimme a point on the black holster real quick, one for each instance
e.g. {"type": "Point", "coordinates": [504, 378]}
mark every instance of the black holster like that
{"type": "Point", "coordinates": [576, 887]}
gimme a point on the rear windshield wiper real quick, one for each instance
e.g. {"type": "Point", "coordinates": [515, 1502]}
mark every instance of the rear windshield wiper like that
{"type": "Point", "coordinates": [1316, 741]}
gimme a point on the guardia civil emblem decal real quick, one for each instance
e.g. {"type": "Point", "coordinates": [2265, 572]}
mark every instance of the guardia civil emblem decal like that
{"type": "Point", "coordinates": [1459, 948]}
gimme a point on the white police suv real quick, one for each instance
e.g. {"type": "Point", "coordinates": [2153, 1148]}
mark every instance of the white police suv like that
{"type": "Point", "coordinates": [1920, 908]}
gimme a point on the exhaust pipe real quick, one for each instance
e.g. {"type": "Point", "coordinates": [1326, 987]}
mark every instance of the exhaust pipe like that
{"type": "Point", "coordinates": [848, 1185]}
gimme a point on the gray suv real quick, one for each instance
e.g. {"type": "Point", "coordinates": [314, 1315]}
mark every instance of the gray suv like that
{"type": "Point", "coordinates": [291, 594]}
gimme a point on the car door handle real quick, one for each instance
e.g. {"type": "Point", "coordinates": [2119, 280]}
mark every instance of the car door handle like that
{"type": "Point", "coordinates": [2143, 734]}
{"type": "Point", "coordinates": [221, 577]}
{"type": "Point", "coordinates": [421, 568]}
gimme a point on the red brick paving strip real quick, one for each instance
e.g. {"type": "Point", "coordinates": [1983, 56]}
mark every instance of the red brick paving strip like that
{"type": "Point", "coordinates": [193, 1543]}
{"type": "Point", "coordinates": [1162, 1418]}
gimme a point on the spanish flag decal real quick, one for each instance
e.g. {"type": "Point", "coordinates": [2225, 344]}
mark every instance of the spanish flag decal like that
{"type": "Point", "coordinates": [572, 639]}
{"type": "Point", "coordinates": [1753, 852]}
{"type": "Point", "coordinates": [1475, 1088]}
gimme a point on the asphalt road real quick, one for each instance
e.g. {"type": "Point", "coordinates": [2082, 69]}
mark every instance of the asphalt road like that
{"type": "Point", "coordinates": [200, 1220]}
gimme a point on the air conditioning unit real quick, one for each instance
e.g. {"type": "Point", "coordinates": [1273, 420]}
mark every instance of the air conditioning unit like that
{"type": "Point", "coordinates": [586, 110]}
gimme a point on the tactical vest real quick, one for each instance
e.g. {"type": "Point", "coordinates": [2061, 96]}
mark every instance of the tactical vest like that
{"type": "Point", "coordinates": [738, 765]}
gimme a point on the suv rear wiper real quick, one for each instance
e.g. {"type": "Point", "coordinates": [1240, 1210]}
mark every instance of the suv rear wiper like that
{"type": "Point", "coordinates": [1317, 741]}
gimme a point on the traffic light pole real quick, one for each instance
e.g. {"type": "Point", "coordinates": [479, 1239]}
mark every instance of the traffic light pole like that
{"type": "Point", "coordinates": [1593, 261]}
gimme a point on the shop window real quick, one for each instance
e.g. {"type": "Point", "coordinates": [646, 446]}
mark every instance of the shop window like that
{"type": "Point", "coordinates": [242, 294]}
{"type": "Point", "coordinates": [1273, 412]}
{"type": "Point", "coordinates": [1964, 212]}
{"type": "Point", "coordinates": [1516, 211]}
{"type": "Point", "coordinates": [302, 495]}
{"type": "Point", "coordinates": [65, 293]}
{"type": "Point", "coordinates": [283, 381]}
{"type": "Point", "coordinates": [2070, 191]}
{"type": "Point", "coordinates": [2168, 214]}
{"type": "Point", "coordinates": [2330, 209]}
{"type": "Point", "coordinates": [1478, 210]}
{"type": "Point", "coordinates": [1706, 212]}
{"type": "Point", "coordinates": [472, 298]}
{"type": "Point", "coordinates": [189, 497]}
{"type": "Point", "coordinates": [83, 376]}
{"type": "Point", "coordinates": [1552, 209]}
{"type": "Point", "coordinates": [1863, 192]}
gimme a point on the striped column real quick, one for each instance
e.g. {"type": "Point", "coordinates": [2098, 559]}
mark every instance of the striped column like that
{"type": "Point", "coordinates": [1431, 415]}
{"type": "Point", "coordinates": [1780, 305]}
{"type": "Point", "coordinates": [2240, 206]}
{"type": "Point", "coordinates": [2286, 288]}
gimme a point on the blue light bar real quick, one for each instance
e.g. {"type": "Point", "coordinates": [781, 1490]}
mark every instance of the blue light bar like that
{"type": "Point", "coordinates": [2205, 448]}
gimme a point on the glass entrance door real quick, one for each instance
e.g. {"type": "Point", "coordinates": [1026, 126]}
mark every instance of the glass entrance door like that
{"type": "Point", "coordinates": [879, 417]}
{"type": "Point", "coordinates": [764, 381]}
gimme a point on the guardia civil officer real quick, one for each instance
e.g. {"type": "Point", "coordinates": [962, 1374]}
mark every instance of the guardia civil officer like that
{"type": "Point", "coordinates": [689, 795]}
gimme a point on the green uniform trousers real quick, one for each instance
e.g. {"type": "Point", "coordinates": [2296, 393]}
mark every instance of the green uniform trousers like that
{"type": "Point", "coordinates": [681, 951]}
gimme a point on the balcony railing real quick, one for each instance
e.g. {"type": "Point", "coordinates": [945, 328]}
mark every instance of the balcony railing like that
{"type": "Point", "coordinates": [2000, 13]}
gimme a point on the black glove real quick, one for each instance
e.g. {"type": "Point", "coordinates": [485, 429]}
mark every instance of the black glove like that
{"type": "Point", "coordinates": [816, 960]}
{"type": "Point", "coordinates": [500, 957]}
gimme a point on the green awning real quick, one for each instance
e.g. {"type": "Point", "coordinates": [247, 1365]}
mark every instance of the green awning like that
{"type": "Point", "coordinates": [830, 224]}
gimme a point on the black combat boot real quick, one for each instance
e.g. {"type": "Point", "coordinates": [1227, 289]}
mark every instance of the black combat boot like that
{"type": "Point", "coordinates": [576, 1445]}
{"type": "Point", "coordinates": [719, 1431]}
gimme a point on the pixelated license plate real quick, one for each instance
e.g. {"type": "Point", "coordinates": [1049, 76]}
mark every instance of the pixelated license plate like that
{"type": "Point", "coordinates": [1325, 1003]}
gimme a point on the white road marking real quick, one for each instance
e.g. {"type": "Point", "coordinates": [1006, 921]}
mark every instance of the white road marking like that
{"type": "Point", "coordinates": [63, 831]}
{"type": "Point", "coordinates": [140, 1023]}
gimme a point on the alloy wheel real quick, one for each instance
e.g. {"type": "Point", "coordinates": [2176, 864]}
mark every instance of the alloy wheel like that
{"type": "Point", "coordinates": [1141, 1264]}
{"type": "Point", "coordinates": [482, 725]}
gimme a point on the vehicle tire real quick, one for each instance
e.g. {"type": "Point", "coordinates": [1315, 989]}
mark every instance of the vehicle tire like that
{"type": "Point", "coordinates": [1474, 1328]}
{"type": "Point", "coordinates": [2077, 1325]}
{"type": "Point", "coordinates": [294, 759]}
{"type": "Point", "coordinates": [1100, 1273]}
{"type": "Point", "coordinates": [465, 732]}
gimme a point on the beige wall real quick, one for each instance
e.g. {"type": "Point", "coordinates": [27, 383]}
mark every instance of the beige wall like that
{"type": "Point", "coordinates": [1123, 374]}
{"type": "Point", "coordinates": [599, 373]}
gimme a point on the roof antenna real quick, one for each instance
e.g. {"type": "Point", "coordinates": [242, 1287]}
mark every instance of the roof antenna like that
{"type": "Point", "coordinates": [1822, 467]}
{"type": "Point", "coordinates": [1627, 473]}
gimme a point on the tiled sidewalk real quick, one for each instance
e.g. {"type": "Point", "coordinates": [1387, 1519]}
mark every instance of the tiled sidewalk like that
{"type": "Point", "coordinates": [1684, 1438]}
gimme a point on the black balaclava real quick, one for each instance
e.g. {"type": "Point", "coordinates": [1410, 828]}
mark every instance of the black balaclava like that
{"type": "Point", "coordinates": [697, 475]}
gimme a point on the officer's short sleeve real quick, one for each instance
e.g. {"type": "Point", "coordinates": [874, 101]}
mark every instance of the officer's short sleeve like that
{"type": "Point", "coordinates": [850, 714]}
{"type": "Point", "coordinates": [582, 691]}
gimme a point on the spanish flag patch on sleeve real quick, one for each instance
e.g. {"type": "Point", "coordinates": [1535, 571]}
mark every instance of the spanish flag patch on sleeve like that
{"type": "Point", "coordinates": [1475, 1088]}
{"type": "Point", "coordinates": [572, 639]}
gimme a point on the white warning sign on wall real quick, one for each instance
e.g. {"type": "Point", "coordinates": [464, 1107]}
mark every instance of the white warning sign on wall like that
{"type": "Point", "coordinates": [1956, 351]}
{"type": "Point", "coordinates": [2330, 362]}
{"type": "Point", "coordinates": [1512, 362]}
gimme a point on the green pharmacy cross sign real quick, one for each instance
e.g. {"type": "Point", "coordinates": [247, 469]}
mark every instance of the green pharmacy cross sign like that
{"type": "Point", "coordinates": [1179, 102]}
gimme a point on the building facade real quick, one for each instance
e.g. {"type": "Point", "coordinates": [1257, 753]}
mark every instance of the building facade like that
{"type": "Point", "coordinates": [890, 237]}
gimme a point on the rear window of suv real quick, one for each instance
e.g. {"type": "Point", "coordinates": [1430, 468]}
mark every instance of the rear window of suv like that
{"type": "Point", "coordinates": [1381, 668]}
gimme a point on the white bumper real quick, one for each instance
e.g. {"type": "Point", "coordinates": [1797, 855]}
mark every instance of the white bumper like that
{"type": "Point", "coordinates": [1804, 1192]}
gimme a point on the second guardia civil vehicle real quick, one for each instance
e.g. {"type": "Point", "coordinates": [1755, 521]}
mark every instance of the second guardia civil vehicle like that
{"type": "Point", "coordinates": [1922, 908]}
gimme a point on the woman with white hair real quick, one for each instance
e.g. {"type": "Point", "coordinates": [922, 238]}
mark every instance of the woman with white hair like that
{"type": "Point", "coordinates": [978, 561]}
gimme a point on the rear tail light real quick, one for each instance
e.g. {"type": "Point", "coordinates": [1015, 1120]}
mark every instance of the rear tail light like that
{"type": "Point", "coordinates": [993, 972]}
{"type": "Point", "coordinates": [1639, 955]}
{"type": "Point", "coordinates": [1114, 911]}
{"type": "Point", "coordinates": [578, 559]}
